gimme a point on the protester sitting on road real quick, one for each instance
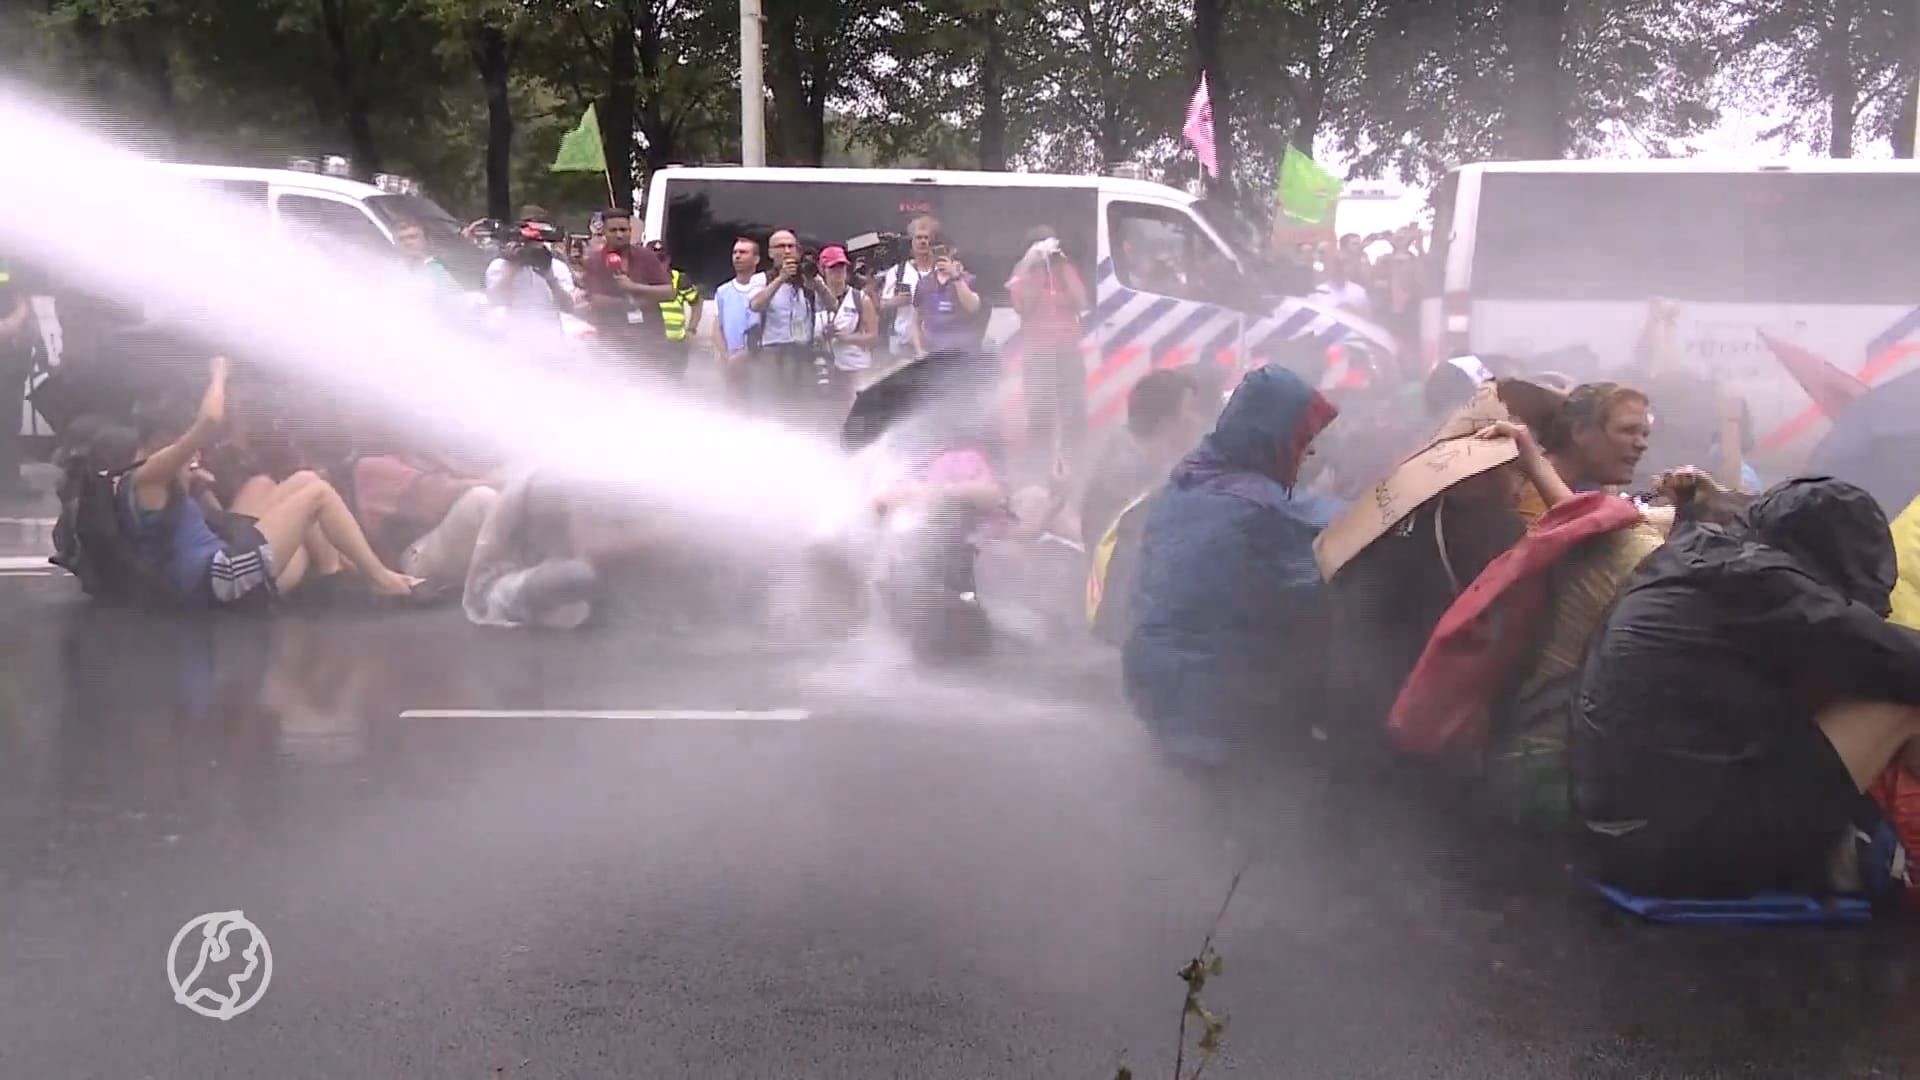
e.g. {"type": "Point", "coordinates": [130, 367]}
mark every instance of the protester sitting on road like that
{"type": "Point", "coordinates": [933, 521]}
{"type": "Point", "coordinates": [1746, 690]}
{"type": "Point", "coordinates": [1034, 571]}
{"type": "Point", "coordinates": [1166, 417]}
{"type": "Point", "coordinates": [1596, 442]}
{"type": "Point", "coordinates": [1230, 633]}
{"type": "Point", "coordinates": [1526, 773]}
{"type": "Point", "coordinates": [421, 514]}
{"type": "Point", "coordinates": [1390, 582]}
{"type": "Point", "coordinates": [542, 554]}
{"type": "Point", "coordinates": [302, 527]}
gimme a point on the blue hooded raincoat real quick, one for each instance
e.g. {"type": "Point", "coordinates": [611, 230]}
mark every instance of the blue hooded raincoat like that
{"type": "Point", "coordinates": [1230, 626]}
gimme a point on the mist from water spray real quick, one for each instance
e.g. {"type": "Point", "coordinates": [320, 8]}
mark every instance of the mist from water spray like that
{"type": "Point", "coordinates": [349, 323]}
{"type": "Point", "coordinates": [354, 325]}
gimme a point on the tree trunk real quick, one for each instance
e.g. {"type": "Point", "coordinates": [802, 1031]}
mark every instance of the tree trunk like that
{"type": "Point", "coordinates": [1903, 124]}
{"type": "Point", "coordinates": [788, 142]}
{"type": "Point", "coordinates": [1536, 32]}
{"type": "Point", "coordinates": [1843, 85]}
{"type": "Point", "coordinates": [993, 95]}
{"type": "Point", "coordinates": [1909, 31]}
{"type": "Point", "coordinates": [356, 104]}
{"type": "Point", "coordinates": [1209, 22]}
{"type": "Point", "coordinates": [490, 58]}
{"type": "Point", "coordinates": [616, 113]}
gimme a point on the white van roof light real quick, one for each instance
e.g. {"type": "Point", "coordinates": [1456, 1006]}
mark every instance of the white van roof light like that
{"type": "Point", "coordinates": [336, 165]}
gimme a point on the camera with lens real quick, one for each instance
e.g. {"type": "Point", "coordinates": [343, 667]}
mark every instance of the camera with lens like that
{"type": "Point", "coordinates": [871, 253]}
{"type": "Point", "coordinates": [528, 245]}
{"type": "Point", "coordinates": [809, 264]}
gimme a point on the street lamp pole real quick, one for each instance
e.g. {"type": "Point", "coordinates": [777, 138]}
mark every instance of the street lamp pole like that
{"type": "Point", "coordinates": [753, 99]}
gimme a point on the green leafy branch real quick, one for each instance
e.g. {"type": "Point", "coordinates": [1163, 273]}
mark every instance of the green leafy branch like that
{"type": "Point", "coordinates": [1204, 966]}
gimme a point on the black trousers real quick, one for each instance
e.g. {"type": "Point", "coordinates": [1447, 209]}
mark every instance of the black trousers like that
{"type": "Point", "coordinates": [1053, 379]}
{"type": "Point", "coordinates": [16, 364]}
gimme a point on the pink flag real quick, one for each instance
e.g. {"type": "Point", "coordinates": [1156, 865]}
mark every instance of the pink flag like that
{"type": "Point", "coordinates": [1199, 129]}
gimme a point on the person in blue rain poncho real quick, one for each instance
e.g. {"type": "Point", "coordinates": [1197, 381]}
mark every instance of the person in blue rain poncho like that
{"type": "Point", "coordinates": [1228, 645]}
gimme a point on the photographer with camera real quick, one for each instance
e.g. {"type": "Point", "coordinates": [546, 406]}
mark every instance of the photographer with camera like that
{"type": "Point", "coordinates": [1050, 299]}
{"type": "Point", "coordinates": [795, 367]}
{"type": "Point", "coordinates": [897, 284]}
{"type": "Point", "coordinates": [848, 323]}
{"type": "Point", "coordinates": [524, 285]}
{"type": "Point", "coordinates": [946, 308]}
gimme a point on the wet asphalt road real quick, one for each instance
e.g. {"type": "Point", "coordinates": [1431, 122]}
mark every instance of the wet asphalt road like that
{"type": "Point", "coordinates": [981, 876]}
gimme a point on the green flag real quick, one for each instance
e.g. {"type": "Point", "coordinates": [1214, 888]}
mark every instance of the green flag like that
{"type": "Point", "coordinates": [1307, 191]}
{"type": "Point", "coordinates": [581, 150]}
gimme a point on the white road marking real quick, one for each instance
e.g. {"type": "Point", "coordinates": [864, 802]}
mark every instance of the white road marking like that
{"type": "Point", "coordinates": [44, 523]}
{"type": "Point", "coordinates": [25, 562]}
{"type": "Point", "coordinates": [777, 715]}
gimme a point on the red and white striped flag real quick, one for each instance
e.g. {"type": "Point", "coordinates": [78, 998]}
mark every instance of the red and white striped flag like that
{"type": "Point", "coordinates": [1199, 129]}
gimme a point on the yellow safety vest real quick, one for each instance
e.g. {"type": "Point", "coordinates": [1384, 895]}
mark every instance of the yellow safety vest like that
{"type": "Point", "coordinates": [674, 312]}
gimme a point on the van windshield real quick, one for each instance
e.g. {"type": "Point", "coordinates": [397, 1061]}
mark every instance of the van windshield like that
{"type": "Point", "coordinates": [464, 259]}
{"type": "Point", "coordinates": [1242, 237]}
{"type": "Point", "coordinates": [1760, 237]}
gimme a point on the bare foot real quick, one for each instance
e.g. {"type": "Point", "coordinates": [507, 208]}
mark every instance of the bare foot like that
{"type": "Point", "coordinates": [395, 584]}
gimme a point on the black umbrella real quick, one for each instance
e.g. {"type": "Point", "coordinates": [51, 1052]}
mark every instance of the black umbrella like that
{"type": "Point", "coordinates": [1875, 443]}
{"type": "Point", "coordinates": [950, 387]}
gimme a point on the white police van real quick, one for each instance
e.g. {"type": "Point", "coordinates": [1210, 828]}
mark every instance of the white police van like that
{"type": "Point", "coordinates": [1172, 280]}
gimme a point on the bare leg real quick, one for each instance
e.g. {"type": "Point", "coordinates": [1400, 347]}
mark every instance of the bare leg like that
{"type": "Point", "coordinates": [315, 556]}
{"type": "Point", "coordinates": [1869, 735]}
{"type": "Point", "coordinates": [315, 503]}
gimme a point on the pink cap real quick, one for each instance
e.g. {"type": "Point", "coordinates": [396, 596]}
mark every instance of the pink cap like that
{"type": "Point", "coordinates": [833, 255]}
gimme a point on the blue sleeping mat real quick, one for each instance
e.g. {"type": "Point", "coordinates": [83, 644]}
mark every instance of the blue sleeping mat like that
{"type": "Point", "coordinates": [1764, 909]}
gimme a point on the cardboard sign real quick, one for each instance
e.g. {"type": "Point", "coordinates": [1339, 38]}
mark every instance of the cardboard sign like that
{"type": "Point", "coordinates": [1453, 455]}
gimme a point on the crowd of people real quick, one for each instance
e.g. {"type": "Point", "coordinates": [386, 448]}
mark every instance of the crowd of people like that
{"type": "Point", "coordinates": [1503, 571]}
{"type": "Point", "coordinates": [1697, 682]}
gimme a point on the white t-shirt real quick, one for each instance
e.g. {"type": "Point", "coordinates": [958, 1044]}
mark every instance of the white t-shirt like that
{"type": "Point", "coordinates": [527, 292]}
{"type": "Point", "coordinates": [846, 320]}
{"type": "Point", "coordinates": [901, 279]}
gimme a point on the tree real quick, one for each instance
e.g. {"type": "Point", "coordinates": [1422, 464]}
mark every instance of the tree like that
{"type": "Point", "coordinates": [1463, 80]}
{"type": "Point", "coordinates": [658, 71]}
{"type": "Point", "coordinates": [1844, 67]}
{"type": "Point", "coordinates": [815, 50]}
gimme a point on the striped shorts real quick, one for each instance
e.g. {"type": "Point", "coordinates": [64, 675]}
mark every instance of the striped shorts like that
{"type": "Point", "coordinates": [242, 572]}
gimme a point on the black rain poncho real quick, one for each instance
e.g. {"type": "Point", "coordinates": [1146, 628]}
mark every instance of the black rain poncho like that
{"type": "Point", "coordinates": [1698, 768]}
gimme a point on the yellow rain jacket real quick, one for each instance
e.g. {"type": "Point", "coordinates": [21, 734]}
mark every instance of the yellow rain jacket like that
{"type": "Point", "coordinates": [1906, 587]}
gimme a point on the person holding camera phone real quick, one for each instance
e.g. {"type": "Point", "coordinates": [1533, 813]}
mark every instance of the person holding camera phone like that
{"type": "Point", "coordinates": [848, 322]}
{"type": "Point", "coordinates": [945, 306]}
{"type": "Point", "coordinates": [790, 343]}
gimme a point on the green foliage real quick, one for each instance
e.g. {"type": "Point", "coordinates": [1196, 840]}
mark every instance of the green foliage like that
{"type": "Point", "coordinates": [1465, 80]}
{"type": "Point", "coordinates": [1842, 70]}
{"type": "Point", "coordinates": [1410, 86]}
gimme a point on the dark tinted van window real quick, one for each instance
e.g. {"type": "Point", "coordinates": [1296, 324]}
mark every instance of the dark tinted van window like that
{"type": "Point", "coordinates": [1764, 237]}
{"type": "Point", "coordinates": [462, 257]}
{"type": "Point", "coordinates": [252, 194]}
{"type": "Point", "coordinates": [985, 226]}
